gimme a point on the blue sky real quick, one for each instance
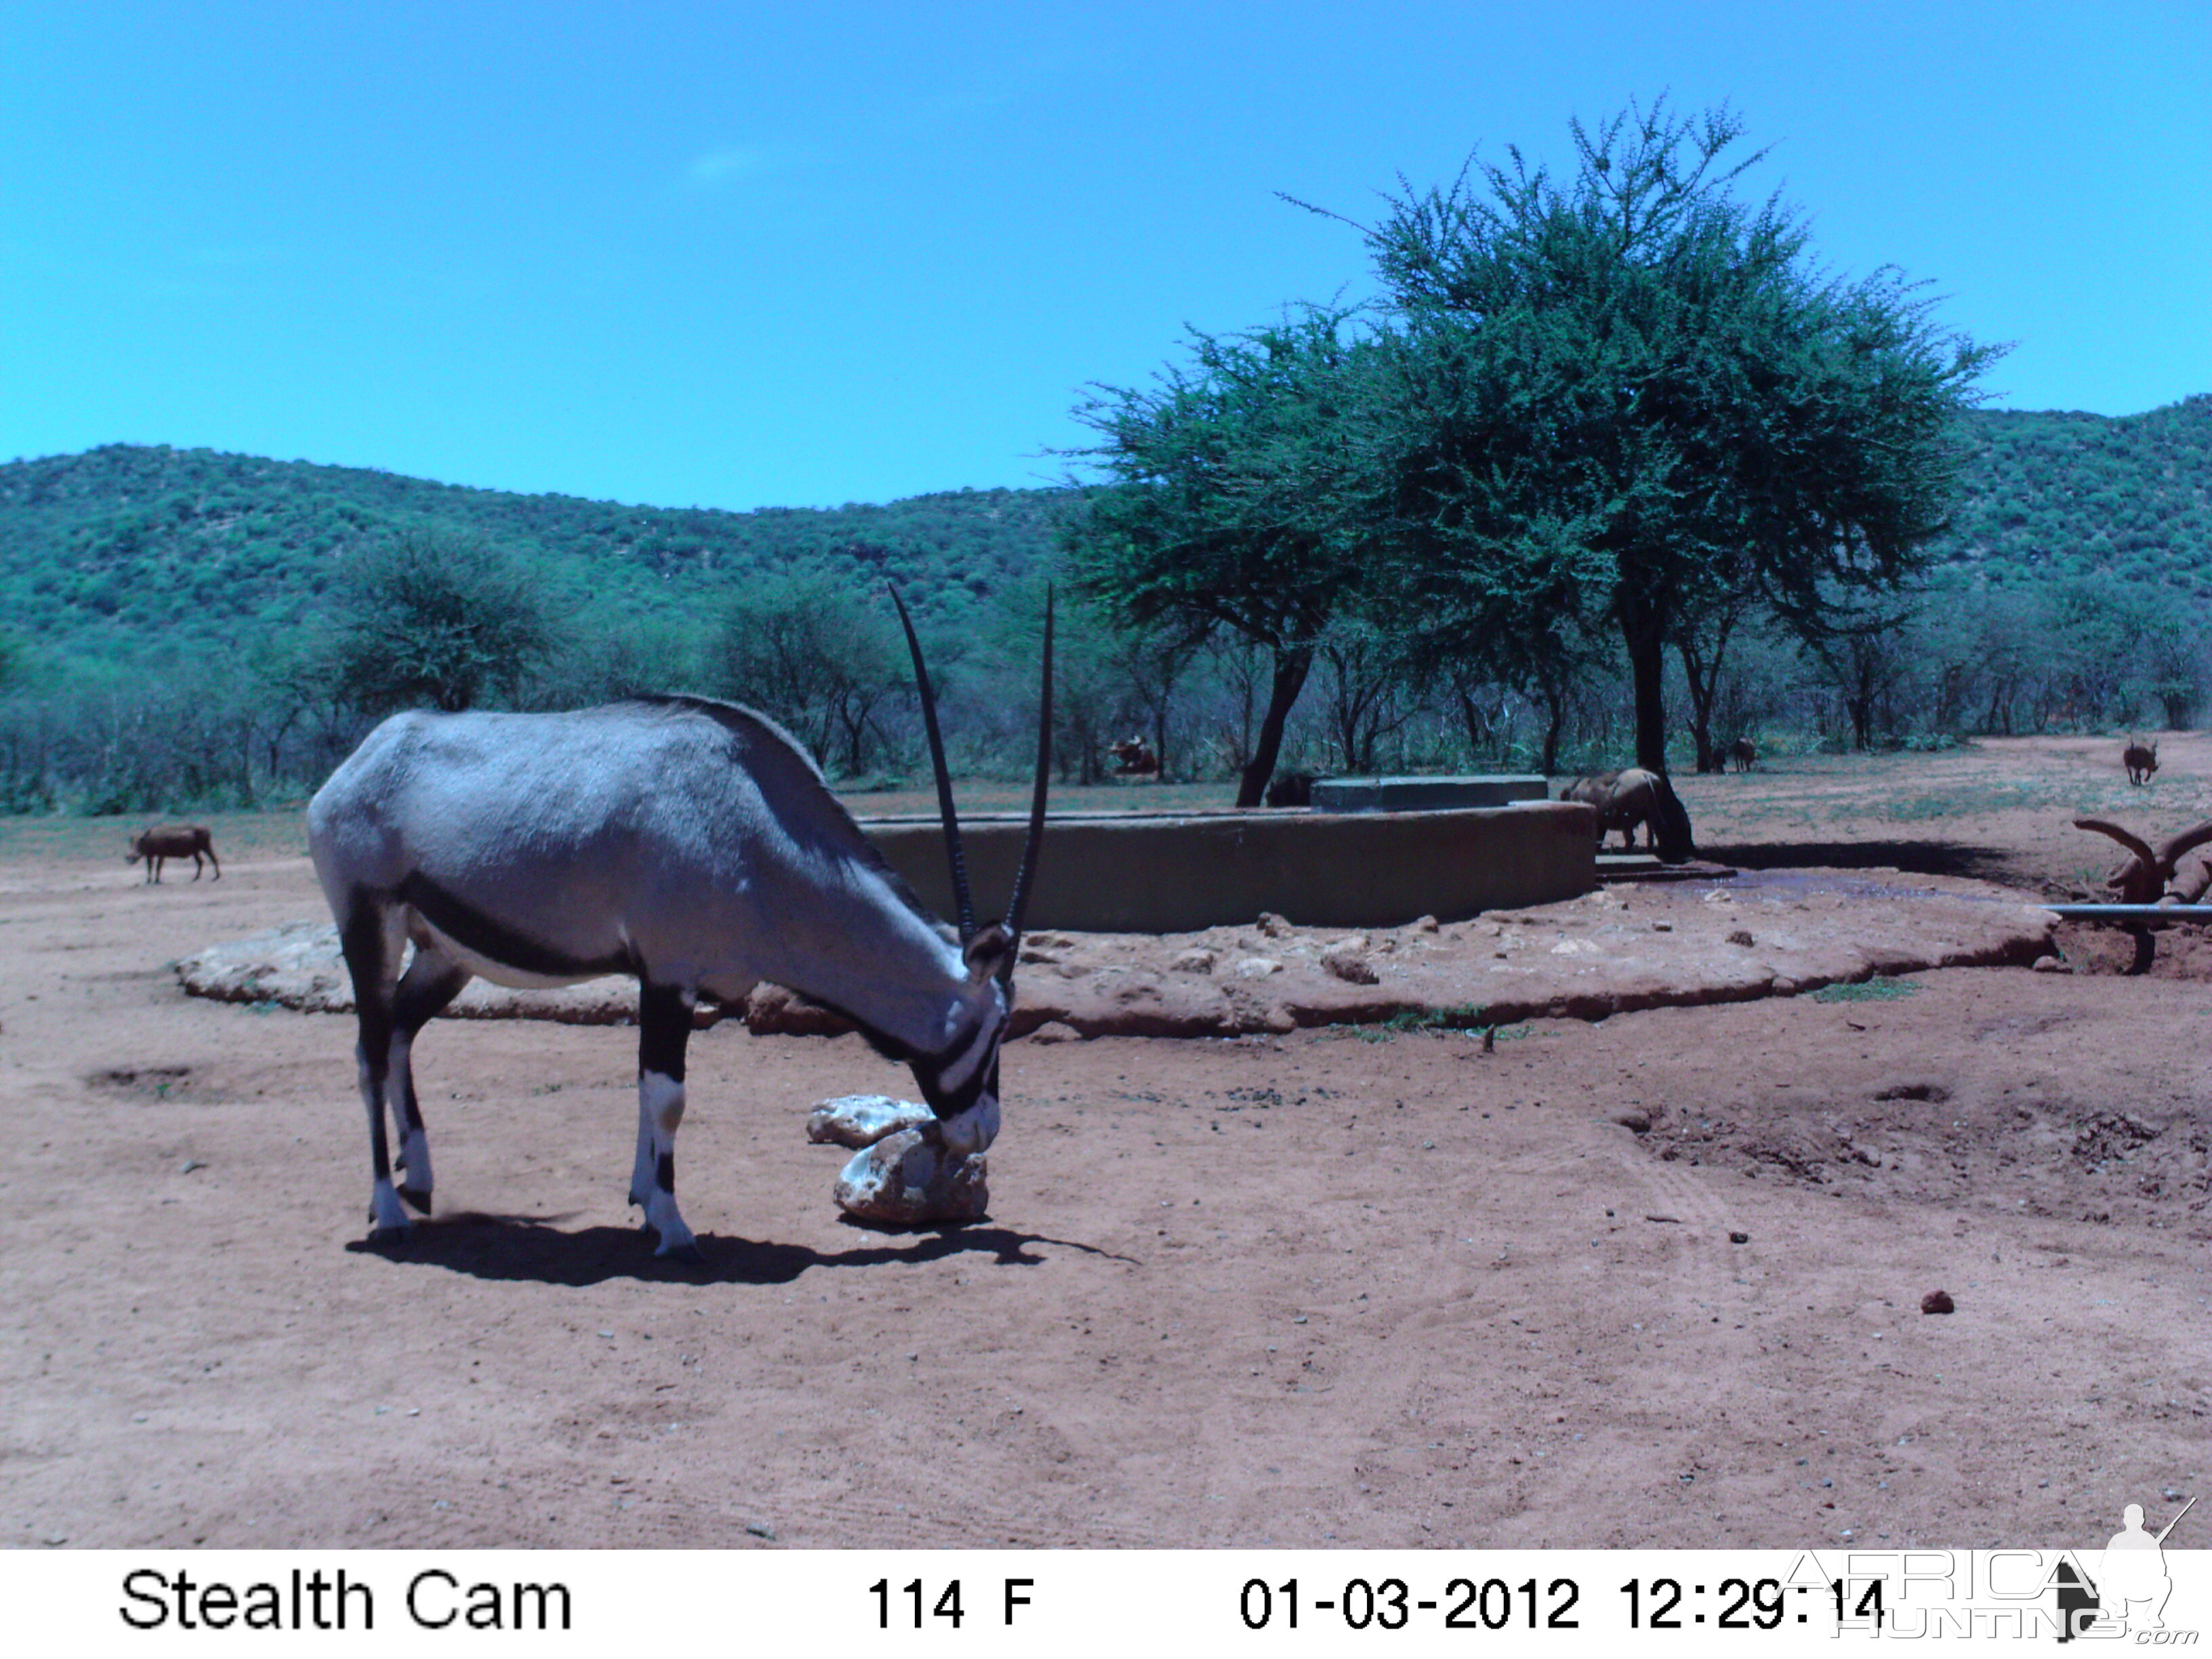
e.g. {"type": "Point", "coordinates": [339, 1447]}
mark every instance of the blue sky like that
{"type": "Point", "coordinates": [762, 255]}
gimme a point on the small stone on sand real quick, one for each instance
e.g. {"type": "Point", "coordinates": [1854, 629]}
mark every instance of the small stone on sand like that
{"type": "Point", "coordinates": [1937, 1302]}
{"type": "Point", "coordinates": [1347, 962]}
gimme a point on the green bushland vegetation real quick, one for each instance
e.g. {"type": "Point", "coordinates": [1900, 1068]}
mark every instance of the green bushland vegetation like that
{"type": "Point", "coordinates": [1446, 532]}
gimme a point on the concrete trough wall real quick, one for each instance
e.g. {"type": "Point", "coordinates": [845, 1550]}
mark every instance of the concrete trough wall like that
{"type": "Point", "coordinates": [1425, 794]}
{"type": "Point", "coordinates": [1178, 873]}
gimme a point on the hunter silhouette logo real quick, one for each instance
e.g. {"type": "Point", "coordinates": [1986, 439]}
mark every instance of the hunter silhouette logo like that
{"type": "Point", "coordinates": [2131, 1584]}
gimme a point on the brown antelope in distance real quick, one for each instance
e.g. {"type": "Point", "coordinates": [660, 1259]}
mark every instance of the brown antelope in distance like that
{"type": "Point", "coordinates": [174, 841]}
{"type": "Point", "coordinates": [1743, 754]}
{"type": "Point", "coordinates": [2141, 759]}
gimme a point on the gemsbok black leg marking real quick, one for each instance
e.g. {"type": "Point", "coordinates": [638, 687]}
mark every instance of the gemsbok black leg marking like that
{"type": "Point", "coordinates": [664, 1027]}
{"type": "Point", "coordinates": [431, 981]}
{"type": "Point", "coordinates": [369, 943]}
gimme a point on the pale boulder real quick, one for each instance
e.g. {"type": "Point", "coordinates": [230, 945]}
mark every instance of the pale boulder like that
{"type": "Point", "coordinates": [901, 1175]}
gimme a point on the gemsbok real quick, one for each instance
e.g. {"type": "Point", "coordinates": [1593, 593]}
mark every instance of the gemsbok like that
{"type": "Point", "coordinates": [693, 844]}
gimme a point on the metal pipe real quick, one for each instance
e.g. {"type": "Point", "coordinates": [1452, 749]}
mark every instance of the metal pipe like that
{"type": "Point", "coordinates": [2131, 912]}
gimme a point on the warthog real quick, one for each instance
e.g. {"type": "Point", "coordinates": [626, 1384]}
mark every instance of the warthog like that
{"type": "Point", "coordinates": [1290, 789]}
{"type": "Point", "coordinates": [2141, 759]}
{"type": "Point", "coordinates": [1623, 800]}
{"type": "Point", "coordinates": [1743, 754]}
{"type": "Point", "coordinates": [174, 841]}
{"type": "Point", "coordinates": [1134, 759]}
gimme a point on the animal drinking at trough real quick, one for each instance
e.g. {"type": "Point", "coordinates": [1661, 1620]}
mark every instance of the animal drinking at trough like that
{"type": "Point", "coordinates": [1624, 800]}
{"type": "Point", "coordinates": [174, 841]}
{"type": "Point", "coordinates": [689, 843]}
{"type": "Point", "coordinates": [2141, 759]}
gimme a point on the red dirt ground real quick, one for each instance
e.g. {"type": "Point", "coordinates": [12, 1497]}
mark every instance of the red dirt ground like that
{"type": "Point", "coordinates": [1329, 1288]}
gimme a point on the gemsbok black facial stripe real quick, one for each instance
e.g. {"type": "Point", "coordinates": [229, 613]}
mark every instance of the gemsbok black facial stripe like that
{"type": "Point", "coordinates": [494, 941]}
{"type": "Point", "coordinates": [965, 1064]}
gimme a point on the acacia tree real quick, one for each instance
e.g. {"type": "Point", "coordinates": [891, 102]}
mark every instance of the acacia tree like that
{"type": "Point", "coordinates": [1234, 500]}
{"type": "Point", "coordinates": [431, 621]}
{"type": "Point", "coordinates": [1630, 392]}
{"type": "Point", "coordinates": [814, 654]}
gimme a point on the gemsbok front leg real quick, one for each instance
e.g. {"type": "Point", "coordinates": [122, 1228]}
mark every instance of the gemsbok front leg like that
{"type": "Point", "coordinates": [433, 979]}
{"type": "Point", "coordinates": [664, 1023]}
{"type": "Point", "coordinates": [372, 940]}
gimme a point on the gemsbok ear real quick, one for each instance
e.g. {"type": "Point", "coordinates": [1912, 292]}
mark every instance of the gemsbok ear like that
{"type": "Point", "coordinates": [991, 952]}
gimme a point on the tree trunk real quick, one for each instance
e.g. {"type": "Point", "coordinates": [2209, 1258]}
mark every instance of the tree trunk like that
{"type": "Point", "coordinates": [1645, 633]}
{"type": "Point", "coordinates": [1646, 640]}
{"type": "Point", "coordinates": [1291, 667]}
{"type": "Point", "coordinates": [1478, 729]}
{"type": "Point", "coordinates": [1704, 681]}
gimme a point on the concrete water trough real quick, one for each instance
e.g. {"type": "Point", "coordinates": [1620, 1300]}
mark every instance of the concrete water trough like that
{"type": "Point", "coordinates": [1425, 794]}
{"type": "Point", "coordinates": [1179, 873]}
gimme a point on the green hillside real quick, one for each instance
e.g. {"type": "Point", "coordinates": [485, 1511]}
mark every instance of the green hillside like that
{"type": "Point", "coordinates": [2051, 496]}
{"type": "Point", "coordinates": [125, 553]}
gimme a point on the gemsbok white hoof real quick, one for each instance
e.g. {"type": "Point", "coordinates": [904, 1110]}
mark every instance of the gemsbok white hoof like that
{"type": "Point", "coordinates": [388, 1222]}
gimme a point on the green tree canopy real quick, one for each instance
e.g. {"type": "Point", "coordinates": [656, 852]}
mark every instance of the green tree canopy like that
{"type": "Point", "coordinates": [1235, 505]}
{"type": "Point", "coordinates": [1630, 397]}
{"type": "Point", "coordinates": [817, 655]}
{"type": "Point", "coordinates": [445, 622]}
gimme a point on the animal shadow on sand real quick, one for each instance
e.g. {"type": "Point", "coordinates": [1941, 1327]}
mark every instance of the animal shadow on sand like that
{"type": "Point", "coordinates": [1995, 865]}
{"type": "Point", "coordinates": [534, 1249]}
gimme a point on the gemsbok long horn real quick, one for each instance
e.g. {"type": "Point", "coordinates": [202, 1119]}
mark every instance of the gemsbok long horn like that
{"type": "Point", "coordinates": [963, 902]}
{"type": "Point", "coordinates": [1034, 842]}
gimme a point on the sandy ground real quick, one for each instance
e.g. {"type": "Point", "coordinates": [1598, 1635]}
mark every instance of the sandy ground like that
{"type": "Point", "coordinates": [1654, 1279]}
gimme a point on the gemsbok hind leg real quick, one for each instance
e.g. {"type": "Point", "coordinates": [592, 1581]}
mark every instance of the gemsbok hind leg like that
{"type": "Point", "coordinates": [433, 979]}
{"type": "Point", "coordinates": [372, 938]}
{"type": "Point", "coordinates": [664, 1022]}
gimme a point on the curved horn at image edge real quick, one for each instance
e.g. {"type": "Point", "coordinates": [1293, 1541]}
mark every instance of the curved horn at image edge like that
{"type": "Point", "coordinates": [962, 903]}
{"type": "Point", "coordinates": [1034, 843]}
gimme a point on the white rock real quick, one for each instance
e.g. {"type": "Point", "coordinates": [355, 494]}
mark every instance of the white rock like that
{"type": "Point", "coordinates": [863, 1120]}
{"type": "Point", "coordinates": [908, 1178]}
{"type": "Point", "coordinates": [1256, 968]}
